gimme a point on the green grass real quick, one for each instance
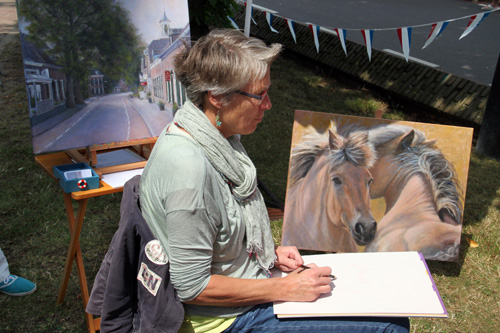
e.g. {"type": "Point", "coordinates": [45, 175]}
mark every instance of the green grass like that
{"type": "Point", "coordinates": [34, 229]}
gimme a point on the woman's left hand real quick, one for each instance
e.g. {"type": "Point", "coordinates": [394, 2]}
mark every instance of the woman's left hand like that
{"type": "Point", "coordinates": [289, 258]}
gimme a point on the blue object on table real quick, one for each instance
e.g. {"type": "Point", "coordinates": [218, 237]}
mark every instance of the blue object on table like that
{"type": "Point", "coordinates": [77, 184]}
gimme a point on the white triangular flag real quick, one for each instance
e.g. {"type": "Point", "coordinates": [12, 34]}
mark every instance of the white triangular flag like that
{"type": "Point", "coordinates": [341, 34]}
{"type": "Point", "coordinates": [473, 23]}
{"type": "Point", "coordinates": [291, 26]}
{"type": "Point", "coordinates": [436, 30]}
{"type": "Point", "coordinates": [315, 32]}
{"type": "Point", "coordinates": [404, 35]}
{"type": "Point", "coordinates": [368, 37]}
{"type": "Point", "coordinates": [233, 23]}
{"type": "Point", "coordinates": [269, 18]}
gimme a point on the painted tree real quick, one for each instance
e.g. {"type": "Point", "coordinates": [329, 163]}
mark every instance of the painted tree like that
{"type": "Point", "coordinates": [81, 35]}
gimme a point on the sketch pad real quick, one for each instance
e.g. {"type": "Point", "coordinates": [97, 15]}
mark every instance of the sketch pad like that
{"type": "Point", "coordinates": [390, 284]}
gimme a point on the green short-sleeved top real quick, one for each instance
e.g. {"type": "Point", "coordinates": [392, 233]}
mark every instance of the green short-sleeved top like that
{"type": "Point", "coordinates": [203, 234]}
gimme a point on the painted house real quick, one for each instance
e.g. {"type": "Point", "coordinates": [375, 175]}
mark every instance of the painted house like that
{"type": "Point", "coordinates": [45, 80]}
{"type": "Point", "coordinates": [157, 64]}
{"type": "Point", "coordinates": [96, 83]}
{"type": "Point", "coordinates": [121, 86]}
{"type": "Point", "coordinates": [150, 54]}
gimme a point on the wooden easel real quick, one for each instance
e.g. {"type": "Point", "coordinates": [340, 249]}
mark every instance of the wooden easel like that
{"type": "Point", "coordinates": [142, 147]}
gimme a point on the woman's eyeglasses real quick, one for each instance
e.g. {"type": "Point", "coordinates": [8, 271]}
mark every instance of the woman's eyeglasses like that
{"type": "Point", "coordinates": [260, 98]}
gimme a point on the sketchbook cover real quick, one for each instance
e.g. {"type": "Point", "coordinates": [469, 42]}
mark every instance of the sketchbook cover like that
{"type": "Point", "coordinates": [389, 284]}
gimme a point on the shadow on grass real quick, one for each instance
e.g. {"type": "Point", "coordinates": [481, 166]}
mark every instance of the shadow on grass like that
{"type": "Point", "coordinates": [448, 268]}
{"type": "Point", "coordinates": [482, 186]}
{"type": "Point", "coordinates": [481, 196]}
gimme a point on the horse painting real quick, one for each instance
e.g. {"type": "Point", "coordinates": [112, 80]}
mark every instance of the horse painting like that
{"type": "Point", "coordinates": [422, 196]}
{"type": "Point", "coordinates": [328, 201]}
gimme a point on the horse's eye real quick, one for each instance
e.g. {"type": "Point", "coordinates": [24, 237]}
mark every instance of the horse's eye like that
{"type": "Point", "coordinates": [370, 181]}
{"type": "Point", "coordinates": [336, 180]}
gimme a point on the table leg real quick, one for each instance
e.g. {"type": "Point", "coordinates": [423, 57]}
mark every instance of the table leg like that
{"type": "Point", "coordinates": [74, 246]}
{"type": "Point", "coordinates": [74, 253]}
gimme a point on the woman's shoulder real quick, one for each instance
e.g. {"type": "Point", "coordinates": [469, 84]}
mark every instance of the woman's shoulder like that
{"type": "Point", "coordinates": [177, 158]}
{"type": "Point", "coordinates": [177, 149]}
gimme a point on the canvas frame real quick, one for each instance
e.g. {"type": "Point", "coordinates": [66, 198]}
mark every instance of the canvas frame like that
{"type": "Point", "coordinates": [452, 141]}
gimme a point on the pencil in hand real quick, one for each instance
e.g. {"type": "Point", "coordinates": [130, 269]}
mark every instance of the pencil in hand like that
{"type": "Point", "coordinates": [333, 277]}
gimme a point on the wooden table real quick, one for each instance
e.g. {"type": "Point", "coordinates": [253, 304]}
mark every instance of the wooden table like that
{"type": "Point", "coordinates": [75, 227]}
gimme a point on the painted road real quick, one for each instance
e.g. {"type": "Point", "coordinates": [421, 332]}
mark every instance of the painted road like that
{"type": "Point", "coordinates": [105, 119]}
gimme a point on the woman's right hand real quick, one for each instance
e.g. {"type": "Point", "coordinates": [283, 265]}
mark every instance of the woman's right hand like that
{"type": "Point", "coordinates": [306, 285]}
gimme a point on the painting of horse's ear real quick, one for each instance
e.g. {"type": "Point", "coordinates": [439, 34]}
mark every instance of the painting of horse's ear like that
{"type": "Point", "coordinates": [416, 199]}
{"type": "Point", "coordinates": [334, 141]}
{"type": "Point", "coordinates": [406, 141]}
{"type": "Point", "coordinates": [396, 144]}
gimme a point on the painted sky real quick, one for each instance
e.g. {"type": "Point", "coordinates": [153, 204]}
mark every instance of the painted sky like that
{"type": "Point", "coordinates": [146, 15]}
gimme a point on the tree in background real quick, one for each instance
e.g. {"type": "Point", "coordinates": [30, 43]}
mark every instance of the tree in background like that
{"type": "Point", "coordinates": [84, 34]}
{"type": "Point", "coordinates": [488, 141]}
{"type": "Point", "coordinates": [205, 15]}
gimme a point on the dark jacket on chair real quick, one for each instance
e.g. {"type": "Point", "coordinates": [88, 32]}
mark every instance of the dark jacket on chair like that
{"type": "Point", "coordinates": [132, 291]}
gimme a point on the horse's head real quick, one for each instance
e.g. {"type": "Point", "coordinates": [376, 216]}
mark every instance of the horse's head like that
{"type": "Point", "coordinates": [349, 159]}
{"type": "Point", "coordinates": [403, 152]}
{"type": "Point", "coordinates": [385, 168]}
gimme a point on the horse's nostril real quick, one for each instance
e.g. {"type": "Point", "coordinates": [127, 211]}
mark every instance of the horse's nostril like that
{"type": "Point", "coordinates": [359, 228]}
{"type": "Point", "coordinates": [364, 232]}
{"type": "Point", "coordinates": [366, 229]}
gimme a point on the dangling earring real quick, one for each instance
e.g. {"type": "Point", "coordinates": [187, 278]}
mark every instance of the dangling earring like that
{"type": "Point", "coordinates": [218, 123]}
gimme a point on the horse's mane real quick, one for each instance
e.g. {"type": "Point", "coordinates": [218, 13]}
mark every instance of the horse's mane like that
{"type": "Point", "coordinates": [353, 147]}
{"type": "Point", "coordinates": [422, 156]}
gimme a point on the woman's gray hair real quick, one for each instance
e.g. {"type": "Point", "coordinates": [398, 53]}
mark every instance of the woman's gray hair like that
{"type": "Point", "coordinates": [222, 62]}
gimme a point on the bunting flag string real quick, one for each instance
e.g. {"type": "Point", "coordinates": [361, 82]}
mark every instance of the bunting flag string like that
{"type": "Point", "coordinates": [368, 37]}
{"type": "Point", "coordinates": [291, 26]}
{"type": "Point", "coordinates": [404, 33]}
{"type": "Point", "coordinates": [315, 32]}
{"type": "Point", "coordinates": [436, 30]}
{"type": "Point", "coordinates": [269, 18]}
{"type": "Point", "coordinates": [471, 17]}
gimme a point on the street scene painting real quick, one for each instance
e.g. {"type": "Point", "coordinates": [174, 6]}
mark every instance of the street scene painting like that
{"type": "Point", "coordinates": [359, 184]}
{"type": "Point", "coordinates": [101, 71]}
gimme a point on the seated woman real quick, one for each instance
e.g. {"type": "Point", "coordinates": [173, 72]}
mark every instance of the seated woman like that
{"type": "Point", "coordinates": [200, 198]}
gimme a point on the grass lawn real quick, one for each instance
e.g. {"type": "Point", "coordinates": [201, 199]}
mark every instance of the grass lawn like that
{"type": "Point", "coordinates": [34, 231]}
